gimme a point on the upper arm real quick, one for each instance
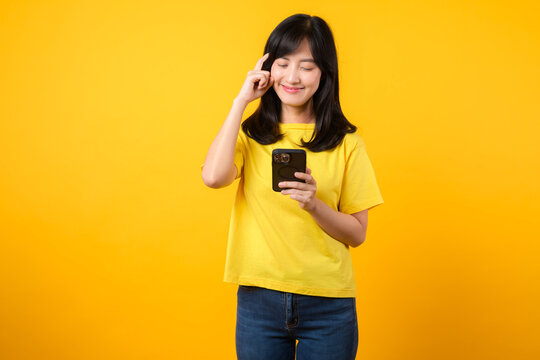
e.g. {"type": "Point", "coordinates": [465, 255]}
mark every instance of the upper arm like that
{"type": "Point", "coordinates": [359, 189]}
{"type": "Point", "coordinates": [237, 166]}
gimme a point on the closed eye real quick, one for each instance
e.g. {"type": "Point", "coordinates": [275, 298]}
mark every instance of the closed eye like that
{"type": "Point", "coordinates": [308, 69]}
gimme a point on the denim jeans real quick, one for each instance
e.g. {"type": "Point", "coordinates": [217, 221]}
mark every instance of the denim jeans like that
{"type": "Point", "coordinates": [269, 322]}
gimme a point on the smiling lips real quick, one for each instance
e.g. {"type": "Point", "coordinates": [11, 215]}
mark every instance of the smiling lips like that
{"type": "Point", "coordinates": [291, 89]}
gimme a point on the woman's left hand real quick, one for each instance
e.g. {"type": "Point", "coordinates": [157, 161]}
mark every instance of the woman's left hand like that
{"type": "Point", "coordinates": [304, 193]}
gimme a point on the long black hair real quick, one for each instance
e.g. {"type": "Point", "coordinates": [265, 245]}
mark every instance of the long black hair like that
{"type": "Point", "coordinates": [330, 123]}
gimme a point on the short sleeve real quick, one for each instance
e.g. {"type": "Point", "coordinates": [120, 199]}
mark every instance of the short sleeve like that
{"type": "Point", "coordinates": [239, 153]}
{"type": "Point", "coordinates": [359, 190]}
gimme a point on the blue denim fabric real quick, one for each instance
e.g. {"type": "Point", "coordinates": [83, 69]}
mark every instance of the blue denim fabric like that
{"type": "Point", "coordinates": [268, 323]}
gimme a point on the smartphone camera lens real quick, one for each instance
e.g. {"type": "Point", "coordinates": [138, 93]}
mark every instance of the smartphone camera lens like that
{"type": "Point", "coordinates": [282, 158]}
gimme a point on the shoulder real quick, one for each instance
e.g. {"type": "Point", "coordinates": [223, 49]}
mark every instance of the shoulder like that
{"type": "Point", "coordinates": [352, 141]}
{"type": "Point", "coordinates": [242, 137]}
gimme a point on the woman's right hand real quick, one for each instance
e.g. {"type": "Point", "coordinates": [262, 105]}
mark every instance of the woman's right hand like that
{"type": "Point", "coordinates": [256, 83]}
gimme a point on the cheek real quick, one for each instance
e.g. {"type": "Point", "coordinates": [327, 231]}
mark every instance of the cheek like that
{"type": "Point", "coordinates": [275, 73]}
{"type": "Point", "coordinates": [313, 81]}
{"type": "Point", "coordinates": [316, 79]}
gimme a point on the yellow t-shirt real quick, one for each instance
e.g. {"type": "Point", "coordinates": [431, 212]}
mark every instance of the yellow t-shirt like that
{"type": "Point", "coordinates": [275, 244]}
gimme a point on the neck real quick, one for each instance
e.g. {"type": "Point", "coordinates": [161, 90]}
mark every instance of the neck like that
{"type": "Point", "coordinates": [298, 114]}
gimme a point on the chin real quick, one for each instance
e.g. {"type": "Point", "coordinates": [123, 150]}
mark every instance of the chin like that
{"type": "Point", "coordinates": [290, 100]}
{"type": "Point", "coordinates": [299, 103]}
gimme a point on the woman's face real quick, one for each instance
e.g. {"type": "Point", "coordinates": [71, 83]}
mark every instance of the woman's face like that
{"type": "Point", "coordinates": [296, 76]}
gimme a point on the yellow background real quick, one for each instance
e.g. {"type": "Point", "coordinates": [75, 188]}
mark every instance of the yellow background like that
{"type": "Point", "coordinates": [113, 248]}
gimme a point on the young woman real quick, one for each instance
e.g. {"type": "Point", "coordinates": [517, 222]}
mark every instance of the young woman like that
{"type": "Point", "coordinates": [289, 251]}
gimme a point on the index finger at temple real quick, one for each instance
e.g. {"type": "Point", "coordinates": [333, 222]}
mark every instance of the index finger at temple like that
{"type": "Point", "coordinates": [260, 62]}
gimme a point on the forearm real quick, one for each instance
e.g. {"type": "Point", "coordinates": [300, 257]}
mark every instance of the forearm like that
{"type": "Point", "coordinates": [340, 226]}
{"type": "Point", "coordinates": [219, 161]}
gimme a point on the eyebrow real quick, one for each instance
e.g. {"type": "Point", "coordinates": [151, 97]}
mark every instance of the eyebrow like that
{"type": "Point", "coordinates": [308, 60]}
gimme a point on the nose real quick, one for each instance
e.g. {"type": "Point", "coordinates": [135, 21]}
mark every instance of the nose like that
{"type": "Point", "coordinates": [292, 75]}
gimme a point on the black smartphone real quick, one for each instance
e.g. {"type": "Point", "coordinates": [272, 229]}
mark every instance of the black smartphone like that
{"type": "Point", "coordinates": [285, 162]}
